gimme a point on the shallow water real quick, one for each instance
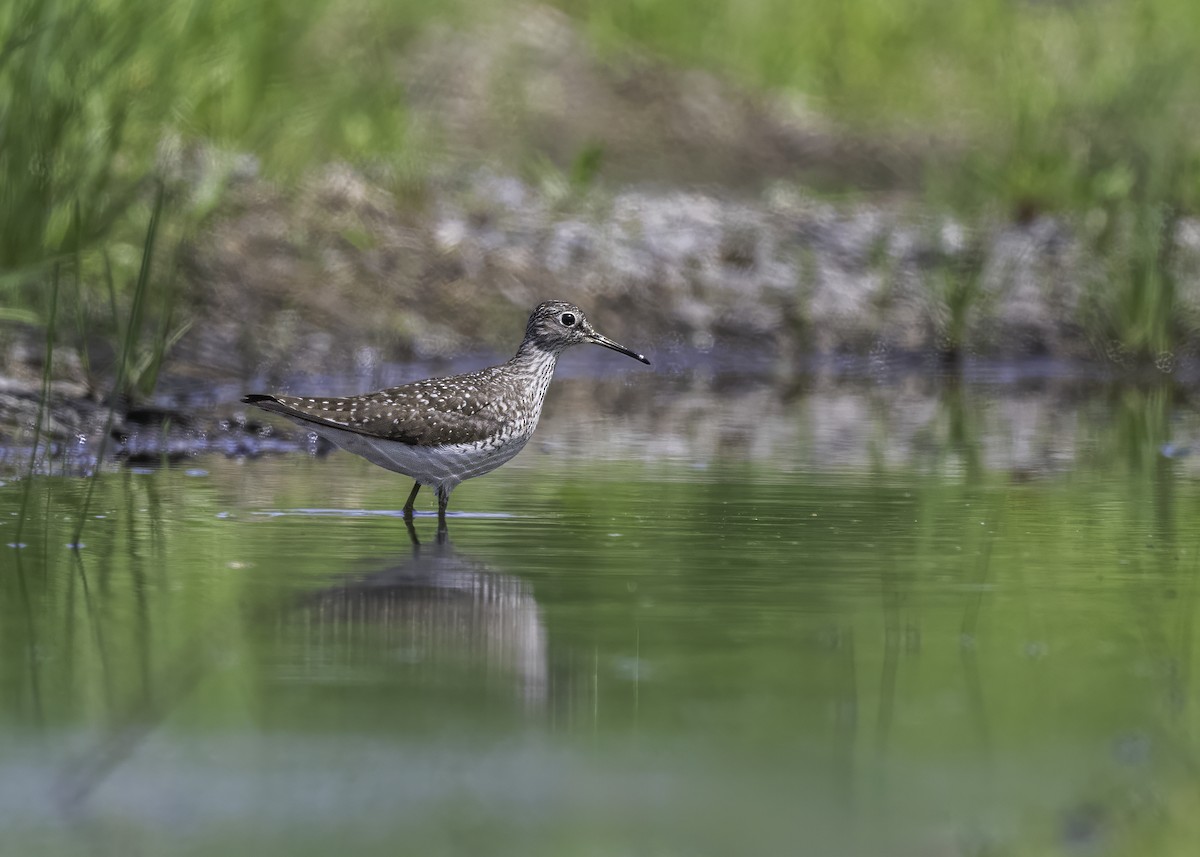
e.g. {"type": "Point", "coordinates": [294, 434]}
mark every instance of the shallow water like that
{"type": "Point", "coordinates": [853, 619]}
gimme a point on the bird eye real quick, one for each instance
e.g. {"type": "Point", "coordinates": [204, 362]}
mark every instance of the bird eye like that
{"type": "Point", "coordinates": [568, 319]}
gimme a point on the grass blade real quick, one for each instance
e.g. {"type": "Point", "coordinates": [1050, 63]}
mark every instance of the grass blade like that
{"type": "Point", "coordinates": [47, 367]}
{"type": "Point", "coordinates": [131, 331]}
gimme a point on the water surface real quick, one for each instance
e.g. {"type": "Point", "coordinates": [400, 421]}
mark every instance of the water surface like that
{"type": "Point", "coordinates": [848, 619]}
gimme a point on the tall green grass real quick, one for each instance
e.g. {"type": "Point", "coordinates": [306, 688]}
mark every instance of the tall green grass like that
{"type": "Point", "coordinates": [131, 336]}
{"type": "Point", "coordinates": [102, 99]}
{"type": "Point", "coordinates": [41, 419]}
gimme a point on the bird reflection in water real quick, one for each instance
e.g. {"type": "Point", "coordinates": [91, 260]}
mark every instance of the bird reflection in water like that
{"type": "Point", "coordinates": [435, 608]}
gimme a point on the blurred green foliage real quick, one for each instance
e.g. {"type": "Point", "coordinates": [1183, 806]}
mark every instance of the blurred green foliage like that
{"type": "Point", "coordinates": [1056, 104]}
{"type": "Point", "coordinates": [97, 97]}
{"type": "Point", "coordinates": [1079, 107]}
{"type": "Point", "coordinates": [1020, 107]}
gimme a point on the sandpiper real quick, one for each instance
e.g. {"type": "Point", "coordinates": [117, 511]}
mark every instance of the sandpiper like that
{"type": "Point", "coordinates": [443, 430]}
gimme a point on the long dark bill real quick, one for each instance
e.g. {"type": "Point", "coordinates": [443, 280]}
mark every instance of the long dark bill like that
{"type": "Point", "coordinates": [600, 339]}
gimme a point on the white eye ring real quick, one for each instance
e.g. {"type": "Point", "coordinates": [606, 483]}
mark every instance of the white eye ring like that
{"type": "Point", "coordinates": [567, 319]}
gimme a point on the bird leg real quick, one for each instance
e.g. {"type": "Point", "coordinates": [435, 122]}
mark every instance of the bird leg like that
{"type": "Point", "coordinates": [412, 496]}
{"type": "Point", "coordinates": [443, 495]}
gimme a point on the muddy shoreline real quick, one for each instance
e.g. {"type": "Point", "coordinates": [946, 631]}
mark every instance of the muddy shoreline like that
{"type": "Point", "coordinates": [1022, 417]}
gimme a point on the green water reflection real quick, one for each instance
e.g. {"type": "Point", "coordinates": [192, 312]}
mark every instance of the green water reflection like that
{"type": "Point", "coordinates": [922, 653]}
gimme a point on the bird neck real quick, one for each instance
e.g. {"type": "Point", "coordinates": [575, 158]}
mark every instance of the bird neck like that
{"type": "Point", "coordinates": [533, 358]}
{"type": "Point", "coordinates": [535, 366]}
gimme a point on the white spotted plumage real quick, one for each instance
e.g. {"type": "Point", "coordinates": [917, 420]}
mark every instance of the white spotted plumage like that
{"type": "Point", "coordinates": [442, 431]}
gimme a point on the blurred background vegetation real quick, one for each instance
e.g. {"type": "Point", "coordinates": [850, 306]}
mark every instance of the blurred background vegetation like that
{"type": "Point", "coordinates": [1006, 109]}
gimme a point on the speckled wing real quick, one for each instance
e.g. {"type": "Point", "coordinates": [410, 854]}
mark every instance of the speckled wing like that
{"type": "Point", "coordinates": [424, 413]}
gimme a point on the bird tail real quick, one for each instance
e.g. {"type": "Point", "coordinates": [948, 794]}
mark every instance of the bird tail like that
{"type": "Point", "coordinates": [269, 403]}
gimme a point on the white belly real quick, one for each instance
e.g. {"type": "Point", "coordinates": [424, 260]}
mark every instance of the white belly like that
{"type": "Point", "coordinates": [444, 466]}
